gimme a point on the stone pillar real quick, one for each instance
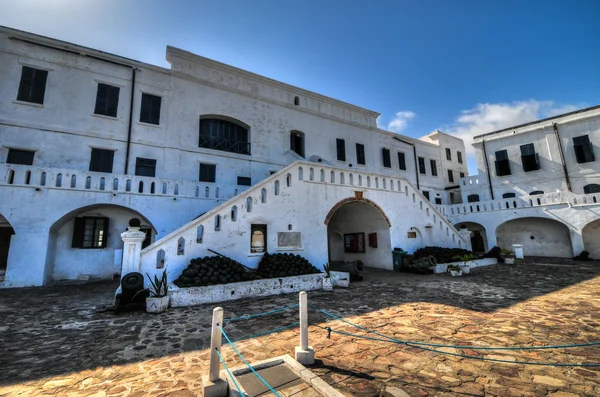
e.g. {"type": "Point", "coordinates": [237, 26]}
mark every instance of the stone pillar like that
{"type": "Point", "coordinates": [577, 241]}
{"type": "Point", "coordinates": [466, 235]}
{"type": "Point", "coordinates": [132, 247]}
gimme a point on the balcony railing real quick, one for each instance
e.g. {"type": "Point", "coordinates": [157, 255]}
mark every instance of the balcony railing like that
{"type": "Point", "coordinates": [211, 142]}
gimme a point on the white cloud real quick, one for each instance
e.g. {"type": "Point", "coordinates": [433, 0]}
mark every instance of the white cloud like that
{"type": "Point", "coordinates": [488, 117]}
{"type": "Point", "coordinates": [400, 120]}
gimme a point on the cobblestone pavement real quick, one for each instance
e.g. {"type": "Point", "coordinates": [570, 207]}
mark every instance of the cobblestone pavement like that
{"type": "Point", "coordinates": [55, 341]}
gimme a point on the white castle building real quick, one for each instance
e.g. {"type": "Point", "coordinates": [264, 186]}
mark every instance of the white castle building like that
{"type": "Point", "coordinates": [209, 156]}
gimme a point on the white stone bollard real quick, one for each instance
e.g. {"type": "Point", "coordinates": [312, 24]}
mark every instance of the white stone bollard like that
{"type": "Point", "coordinates": [132, 248]}
{"type": "Point", "coordinates": [213, 385]}
{"type": "Point", "coordinates": [305, 354]}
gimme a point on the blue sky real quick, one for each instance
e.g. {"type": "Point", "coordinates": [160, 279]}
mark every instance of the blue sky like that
{"type": "Point", "coordinates": [465, 67]}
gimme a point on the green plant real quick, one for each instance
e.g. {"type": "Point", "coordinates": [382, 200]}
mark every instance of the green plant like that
{"type": "Point", "coordinates": [160, 287]}
{"type": "Point", "coordinates": [466, 258]}
{"type": "Point", "coordinates": [505, 252]}
{"type": "Point", "coordinates": [327, 270]}
{"type": "Point", "coordinates": [455, 268]}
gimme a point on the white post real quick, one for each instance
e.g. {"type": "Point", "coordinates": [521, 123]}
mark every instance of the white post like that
{"type": "Point", "coordinates": [213, 385]}
{"type": "Point", "coordinates": [132, 248]}
{"type": "Point", "coordinates": [305, 354]}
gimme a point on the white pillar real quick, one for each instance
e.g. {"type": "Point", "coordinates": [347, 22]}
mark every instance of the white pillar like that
{"type": "Point", "coordinates": [213, 385]}
{"type": "Point", "coordinates": [132, 248]}
{"type": "Point", "coordinates": [466, 235]}
{"type": "Point", "coordinates": [305, 354]}
{"type": "Point", "coordinates": [577, 241]}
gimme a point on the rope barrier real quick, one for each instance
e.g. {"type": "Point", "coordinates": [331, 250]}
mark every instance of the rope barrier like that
{"type": "Point", "coordinates": [279, 310]}
{"type": "Point", "coordinates": [229, 372]}
{"type": "Point", "coordinates": [267, 332]}
{"type": "Point", "coordinates": [247, 363]}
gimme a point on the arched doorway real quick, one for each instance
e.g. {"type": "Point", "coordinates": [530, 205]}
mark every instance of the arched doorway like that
{"type": "Point", "coordinates": [479, 242]}
{"type": "Point", "coordinates": [539, 236]}
{"type": "Point", "coordinates": [357, 229]}
{"type": "Point", "coordinates": [86, 242]}
{"type": "Point", "coordinates": [591, 239]}
{"type": "Point", "coordinates": [6, 232]}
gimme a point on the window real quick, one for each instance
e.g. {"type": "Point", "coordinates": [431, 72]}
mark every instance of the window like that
{"type": "Point", "coordinates": [360, 154]}
{"type": "Point", "coordinates": [450, 176]}
{"type": "Point", "coordinates": [502, 163]}
{"type": "Point", "coordinates": [107, 100]}
{"type": "Point", "coordinates": [90, 232]}
{"type": "Point", "coordinates": [32, 87]}
{"type": "Point", "coordinates": [24, 157]}
{"type": "Point", "coordinates": [258, 238]}
{"type": "Point", "coordinates": [297, 143]}
{"type": "Point", "coordinates": [591, 188]}
{"type": "Point", "coordinates": [224, 135]}
{"type": "Point", "coordinates": [529, 158]}
{"type": "Point", "coordinates": [296, 101]}
{"type": "Point", "coordinates": [150, 111]}
{"type": "Point", "coordinates": [387, 161]}
{"type": "Point", "coordinates": [448, 154]}
{"type": "Point", "coordinates": [422, 166]}
{"type": "Point", "coordinates": [207, 172]}
{"type": "Point", "coordinates": [145, 167]}
{"type": "Point", "coordinates": [462, 174]}
{"type": "Point", "coordinates": [508, 195]}
{"type": "Point", "coordinates": [536, 192]}
{"type": "Point", "coordinates": [438, 200]}
{"type": "Point", "coordinates": [102, 160]}
{"type": "Point", "coordinates": [426, 194]}
{"type": "Point", "coordinates": [244, 181]}
{"type": "Point", "coordinates": [584, 152]}
{"type": "Point", "coordinates": [473, 198]}
{"type": "Point", "coordinates": [354, 242]}
{"type": "Point", "coordinates": [433, 164]}
{"type": "Point", "coordinates": [341, 149]}
{"type": "Point", "coordinates": [401, 161]}
{"type": "Point", "coordinates": [459, 156]}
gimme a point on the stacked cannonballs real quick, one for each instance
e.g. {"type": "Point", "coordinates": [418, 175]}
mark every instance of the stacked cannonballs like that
{"type": "Point", "coordinates": [284, 265]}
{"type": "Point", "coordinates": [211, 270]}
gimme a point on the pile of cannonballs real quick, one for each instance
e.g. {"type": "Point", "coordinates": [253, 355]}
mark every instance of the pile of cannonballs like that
{"type": "Point", "coordinates": [284, 265]}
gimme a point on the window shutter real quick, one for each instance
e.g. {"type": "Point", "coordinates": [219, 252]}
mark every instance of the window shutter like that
{"type": "Point", "coordinates": [105, 233]}
{"type": "Point", "coordinates": [78, 231]}
{"type": "Point", "coordinates": [39, 85]}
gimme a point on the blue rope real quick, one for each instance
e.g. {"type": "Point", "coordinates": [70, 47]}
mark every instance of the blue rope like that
{"type": "Point", "coordinates": [473, 347]}
{"type": "Point", "coordinates": [229, 372]}
{"type": "Point", "coordinates": [267, 332]}
{"type": "Point", "coordinates": [281, 309]}
{"type": "Point", "coordinates": [247, 363]}
{"type": "Point", "coordinates": [328, 329]}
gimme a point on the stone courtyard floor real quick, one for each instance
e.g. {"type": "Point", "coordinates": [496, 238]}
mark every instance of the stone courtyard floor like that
{"type": "Point", "coordinates": [56, 342]}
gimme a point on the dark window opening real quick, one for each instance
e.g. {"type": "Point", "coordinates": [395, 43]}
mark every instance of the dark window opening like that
{"type": "Point", "coordinates": [450, 176]}
{"type": "Point", "coordinates": [433, 164]}
{"type": "Point", "coordinates": [462, 174]}
{"type": "Point", "coordinates": [448, 154]}
{"type": "Point", "coordinates": [426, 194]}
{"type": "Point", "coordinates": [438, 200]}
{"type": "Point", "coordinates": [258, 238]}
{"type": "Point", "coordinates": [387, 161]}
{"type": "Point", "coordinates": [244, 181]}
{"type": "Point", "coordinates": [224, 135]}
{"type": "Point", "coordinates": [148, 240]}
{"type": "Point", "coordinates": [90, 232]}
{"type": "Point", "coordinates": [145, 167]}
{"type": "Point", "coordinates": [509, 195]}
{"type": "Point", "coordinates": [102, 160]}
{"type": "Point", "coordinates": [16, 156]}
{"type": "Point", "coordinates": [297, 143]}
{"type": "Point", "coordinates": [32, 87]}
{"type": "Point", "coordinates": [534, 193]}
{"type": "Point", "coordinates": [354, 242]}
{"type": "Point", "coordinates": [107, 100]}
{"type": "Point", "coordinates": [296, 101]}
{"type": "Point", "coordinates": [360, 154]}
{"type": "Point", "coordinates": [473, 198]}
{"type": "Point", "coordinates": [584, 151]}
{"type": "Point", "coordinates": [401, 161]}
{"type": "Point", "coordinates": [459, 156]}
{"type": "Point", "coordinates": [591, 188]}
{"type": "Point", "coordinates": [207, 172]}
{"type": "Point", "coordinates": [341, 149]}
{"type": "Point", "coordinates": [502, 163]}
{"type": "Point", "coordinates": [150, 111]}
{"type": "Point", "coordinates": [422, 166]}
{"type": "Point", "coordinates": [529, 158]}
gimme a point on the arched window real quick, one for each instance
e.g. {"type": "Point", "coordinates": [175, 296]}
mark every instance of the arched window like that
{"type": "Point", "coordinates": [300, 173]}
{"type": "Point", "coordinates": [322, 175]}
{"type": "Point", "coordinates": [74, 181]}
{"type": "Point", "coordinates": [103, 184]}
{"type": "Point", "coordinates": [508, 195]}
{"type": "Point", "coordinates": [217, 223]}
{"type": "Point", "coordinates": [591, 188]}
{"type": "Point", "coordinates": [199, 234]}
{"type": "Point", "coordinates": [206, 192]}
{"type": "Point", "coordinates": [297, 142]}
{"type": "Point", "coordinates": [473, 198]}
{"type": "Point", "coordinates": [197, 193]}
{"type": "Point", "coordinates": [342, 181]}
{"type": "Point", "coordinates": [116, 184]}
{"type": "Point", "coordinates": [58, 180]}
{"type": "Point", "coordinates": [332, 176]}
{"type": "Point", "coordinates": [288, 180]}
{"type": "Point", "coordinates": [276, 188]}
{"type": "Point", "coordinates": [88, 181]}
{"type": "Point", "coordinates": [296, 101]}
{"type": "Point", "coordinates": [263, 195]}
{"type": "Point", "coordinates": [224, 134]}
{"type": "Point", "coordinates": [249, 204]}
{"type": "Point", "coordinates": [176, 190]}
{"type": "Point", "coordinates": [152, 187]}
{"type": "Point", "coordinates": [140, 186]}
{"type": "Point", "coordinates": [536, 193]}
{"type": "Point", "coordinates": [180, 246]}
{"type": "Point", "coordinates": [311, 174]}
{"type": "Point", "coordinates": [234, 213]}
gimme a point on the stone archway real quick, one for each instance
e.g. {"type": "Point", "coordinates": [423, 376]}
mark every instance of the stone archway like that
{"type": "Point", "coordinates": [539, 236]}
{"type": "Point", "coordinates": [479, 240]}
{"type": "Point", "coordinates": [358, 229]}
{"type": "Point", "coordinates": [6, 232]}
{"type": "Point", "coordinates": [591, 239]}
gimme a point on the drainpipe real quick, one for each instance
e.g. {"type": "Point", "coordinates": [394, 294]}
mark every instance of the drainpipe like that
{"type": "Point", "coordinates": [130, 121]}
{"type": "Point", "coordinates": [415, 157]}
{"type": "Point", "coordinates": [487, 169]}
{"type": "Point", "coordinates": [562, 157]}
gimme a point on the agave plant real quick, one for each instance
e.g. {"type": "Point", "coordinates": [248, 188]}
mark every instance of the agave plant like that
{"type": "Point", "coordinates": [327, 270]}
{"type": "Point", "coordinates": [160, 287]}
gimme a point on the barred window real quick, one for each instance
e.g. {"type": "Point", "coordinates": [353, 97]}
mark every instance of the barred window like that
{"type": "Point", "coordinates": [224, 135]}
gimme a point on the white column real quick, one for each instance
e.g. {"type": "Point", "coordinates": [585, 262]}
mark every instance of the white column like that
{"type": "Point", "coordinates": [132, 248]}
{"type": "Point", "coordinates": [305, 354]}
{"type": "Point", "coordinates": [213, 385]}
{"type": "Point", "coordinates": [577, 241]}
{"type": "Point", "coordinates": [466, 235]}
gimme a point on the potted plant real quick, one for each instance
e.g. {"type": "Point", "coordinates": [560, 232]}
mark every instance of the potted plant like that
{"type": "Point", "coordinates": [455, 270]}
{"type": "Point", "coordinates": [508, 256]}
{"type": "Point", "coordinates": [327, 281]}
{"type": "Point", "coordinates": [465, 259]}
{"type": "Point", "coordinates": [158, 302]}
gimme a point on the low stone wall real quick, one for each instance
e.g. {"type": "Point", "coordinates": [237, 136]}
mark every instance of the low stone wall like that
{"type": "Point", "coordinates": [443, 267]}
{"type": "Point", "coordinates": [182, 297]}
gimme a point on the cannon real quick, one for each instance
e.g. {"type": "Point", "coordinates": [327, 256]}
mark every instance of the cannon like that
{"type": "Point", "coordinates": [355, 268]}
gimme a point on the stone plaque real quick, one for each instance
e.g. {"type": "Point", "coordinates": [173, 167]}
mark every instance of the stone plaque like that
{"type": "Point", "coordinates": [289, 239]}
